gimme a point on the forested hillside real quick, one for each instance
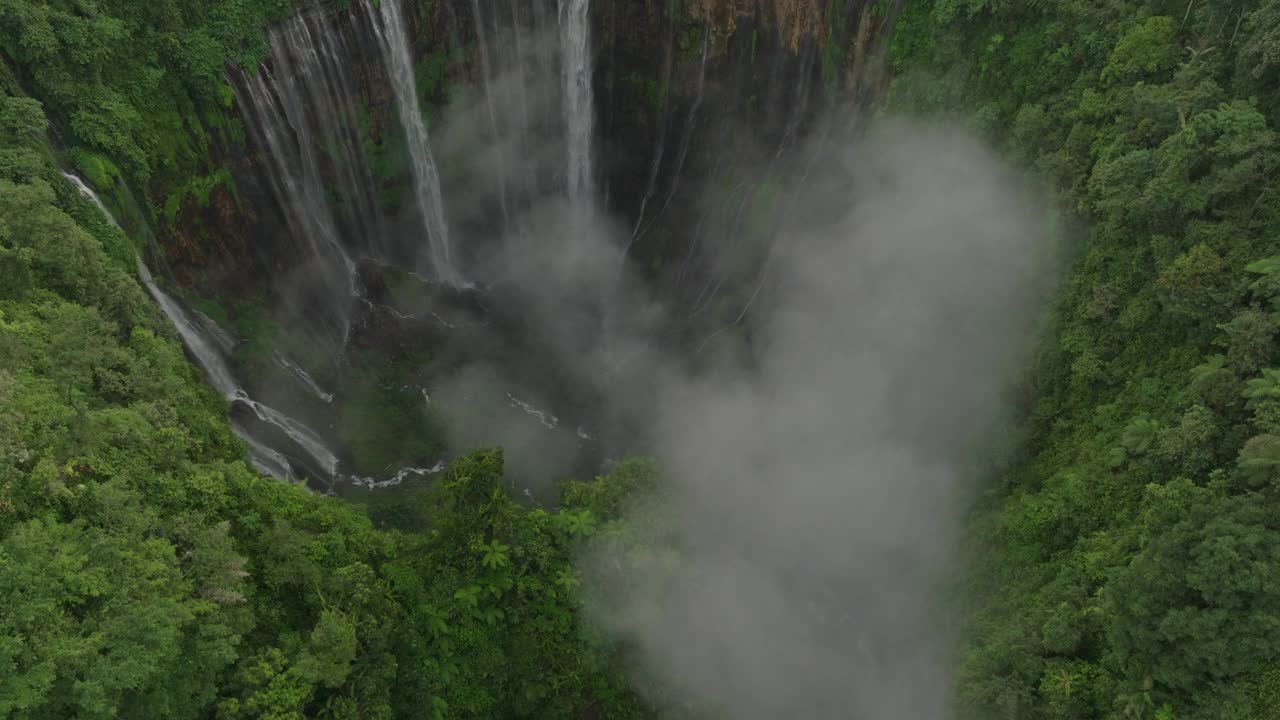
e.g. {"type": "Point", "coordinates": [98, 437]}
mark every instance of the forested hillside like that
{"type": "Point", "coordinates": [1129, 560]}
{"type": "Point", "coordinates": [138, 89]}
{"type": "Point", "coordinates": [147, 572]}
{"type": "Point", "coordinates": [1124, 564]}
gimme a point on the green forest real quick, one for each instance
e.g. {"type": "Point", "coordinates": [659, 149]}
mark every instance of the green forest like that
{"type": "Point", "coordinates": [1127, 561]}
{"type": "Point", "coordinates": [1123, 565]}
{"type": "Point", "coordinates": [147, 571]}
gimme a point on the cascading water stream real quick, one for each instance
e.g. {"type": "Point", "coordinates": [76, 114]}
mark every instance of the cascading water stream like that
{"type": "Point", "coordinates": [520, 63]}
{"type": "Point", "coordinates": [206, 355]}
{"type": "Point", "coordinates": [87, 193]}
{"type": "Point", "coordinates": [399, 477]}
{"type": "Point", "coordinates": [208, 358]}
{"type": "Point", "coordinates": [222, 380]}
{"type": "Point", "coordinates": [544, 58]}
{"type": "Point", "coordinates": [303, 377]}
{"type": "Point", "coordinates": [388, 24]}
{"type": "Point", "coordinates": [275, 116]}
{"type": "Point", "coordinates": [303, 436]}
{"type": "Point", "coordinates": [486, 82]}
{"type": "Point", "coordinates": [660, 150]}
{"type": "Point", "coordinates": [575, 68]}
{"type": "Point", "coordinates": [267, 460]}
{"type": "Point", "coordinates": [683, 153]}
{"type": "Point", "coordinates": [319, 61]}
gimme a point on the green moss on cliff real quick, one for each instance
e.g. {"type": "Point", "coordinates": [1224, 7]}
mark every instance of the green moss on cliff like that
{"type": "Point", "coordinates": [430, 72]}
{"type": "Point", "coordinates": [199, 188]}
{"type": "Point", "coordinates": [382, 418]}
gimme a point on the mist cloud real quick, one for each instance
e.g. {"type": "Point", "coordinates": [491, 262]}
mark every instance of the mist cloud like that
{"type": "Point", "coordinates": [796, 560]}
{"type": "Point", "coordinates": [812, 502]}
{"type": "Point", "coordinates": [571, 333]}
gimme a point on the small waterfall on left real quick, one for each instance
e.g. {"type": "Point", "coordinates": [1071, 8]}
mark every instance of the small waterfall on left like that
{"type": "Point", "coordinates": [204, 347]}
{"type": "Point", "coordinates": [87, 193]}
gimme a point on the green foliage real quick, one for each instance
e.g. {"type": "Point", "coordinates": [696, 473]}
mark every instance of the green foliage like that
{"type": "Point", "coordinates": [1139, 436]}
{"type": "Point", "coordinates": [1129, 559]}
{"type": "Point", "coordinates": [1260, 52]}
{"type": "Point", "coordinates": [199, 188]}
{"type": "Point", "coordinates": [1267, 285]}
{"type": "Point", "coordinates": [382, 425]}
{"type": "Point", "coordinates": [1249, 340]}
{"type": "Point", "coordinates": [137, 89]}
{"type": "Point", "coordinates": [147, 572]}
{"type": "Point", "coordinates": [1264, 399]}
{"type": "Point", "coordinates": [1260, 460]}
{"type": "Point", "coordinates": [1149, 51]}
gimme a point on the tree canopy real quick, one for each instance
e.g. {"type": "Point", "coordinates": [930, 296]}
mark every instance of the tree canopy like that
{"type": "Point", "coordinates": [1129, 549]}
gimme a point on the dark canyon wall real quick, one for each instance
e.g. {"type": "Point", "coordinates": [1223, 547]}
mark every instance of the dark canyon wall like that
{"type": "Point", "coordinates": [706, 108]}
{"type": "Point", "coordinates": [690, 98]}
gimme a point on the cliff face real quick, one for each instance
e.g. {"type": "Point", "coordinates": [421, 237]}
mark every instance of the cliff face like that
{"type": "Point", "coordinates": [705, 111]}
{"type": "Point", "coordinates": [226, 242]}
{"type": "Point", "coordinates": [687, 96]}
{"type": "Point", "coordinates": [233, 238]}
{"type": "Point", "coordinates": [738, 75]}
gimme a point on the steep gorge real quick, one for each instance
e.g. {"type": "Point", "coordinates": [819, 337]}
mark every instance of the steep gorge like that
{"type": "Point", "coordinates": [973, 415]}
{"type": "Point", "coordinates": [348, 244]}
{"type": "Point", "coordinates": [330, 235]}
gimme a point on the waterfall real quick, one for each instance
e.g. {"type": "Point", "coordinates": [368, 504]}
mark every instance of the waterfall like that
{"type": "Point", "coordinates": [519, 64]}
{"type": "Point", "coordinates": [201, 349]}
{"type": "Point", "coordinates": [203, 340]}
{"type": "Point", "coordinates": [267, 460]}
{"type": "Point", "coordinates": [305, 437]}
{"type": "Point", "coordinates": [220, 377]}
{"type": "Point", "coordinates": [682, 154]}
{"type": "Point", "coordinates": [303, 377]}
{"type": "Point", "coordinates": [394, 40]}
{"type": "Point", "coordinates": [206, 357]}
{"type": "Point", "coordinates": [661, 149]}
{"type": "Point", "coordinates": [546, 68]}
{"type": "Point", "coordinates": [225, 342]}
{"type": "Point", "coordinates": [575, 44]}
{"type": "Point", "coordinates": [320, 62]}
{"type": "Point", "coordinates": [87, 193]}
{"type": "Point", "coordinates": [486, 69]}
{"type": "Point", "coordinates": [290, 110]}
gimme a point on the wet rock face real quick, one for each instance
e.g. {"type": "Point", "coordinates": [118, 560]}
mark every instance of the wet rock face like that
{"type": "Point", "coordinates": [226, 243]}
{"type": "Point", "coordinates": [693, 102]}
{"type": "Point", "coordinates": [216, 247]}
{"type": "Point", "coordinates": [679, 91]}
{"type": "Point", "coordinates": [684, 94]}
